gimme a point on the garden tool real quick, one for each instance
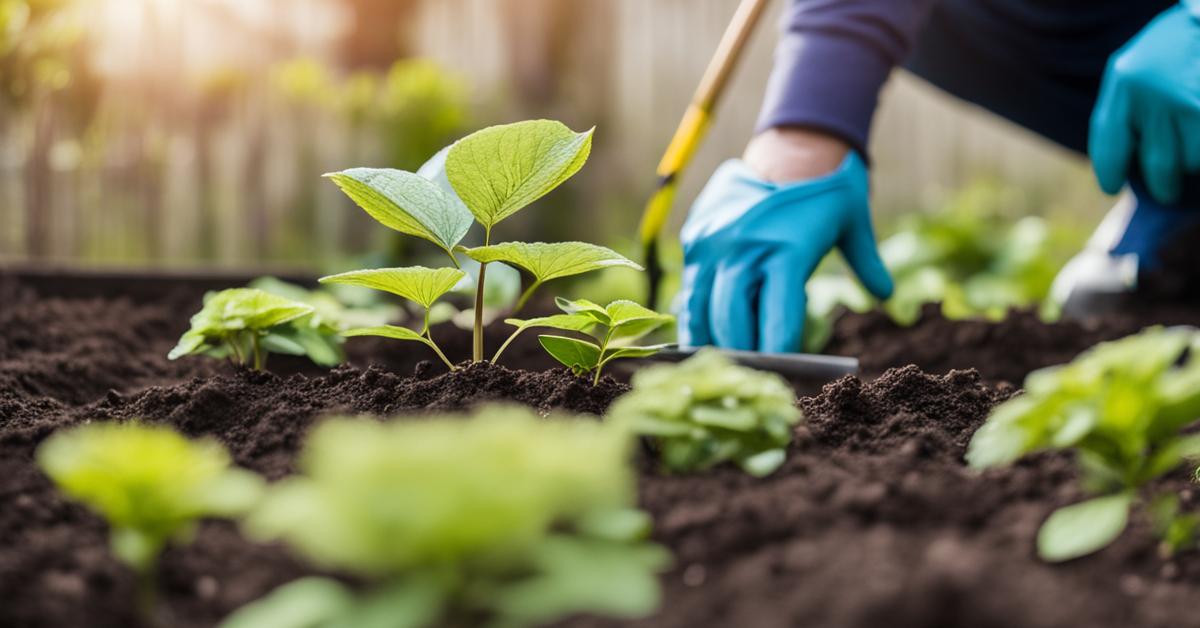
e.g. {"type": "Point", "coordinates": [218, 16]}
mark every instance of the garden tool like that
{"type": "Point", "coordinates": [690, 133]}
{"type": "Point", "coordinates": [807, 373]}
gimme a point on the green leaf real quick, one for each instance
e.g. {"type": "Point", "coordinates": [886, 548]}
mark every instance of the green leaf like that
{"type": "Point", "coordinates": [501, 169]}
{"type": "Point", "coordinates": [233, 311]}
{"type": "Point", "coordinates": [311, 602]}
{"type": "Point", "coordinates": [1083, 528]}
{"type": "Point", "coordinates": [387, 331]}
{"type": "Point", "coordinates": [633, 352]}
{"type": "Point", "coordinates": [572, 352]}
{"type": "Point", "coordinates": [585, 576]}
{"type": "Point", "coordinates": [583, 306]}
{"type": "Point", "coordinates": [1007, 435]}
{"type": "Point", "coordinates": [408, 203]}
{"type": "Point", "coordinates": [624, 312]}
{"type": "Point", "coordinates": [546, 261]}
{"type": "Point", "coordinates": [421, 285]}
{"type": "Point", "coordinates": [566, 322]}
{"type": "Point", "coordinates": [764, 463]}
{"type": "Point", "coordinates": [631, 321]}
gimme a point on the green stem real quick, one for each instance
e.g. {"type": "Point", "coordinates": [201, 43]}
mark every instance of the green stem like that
{"type": "Point", "coordinates": [525, 296]}
{"type": "Point", "coordinates": [259, 362]}
{"type": "Point", "coordinates": [603, 348]}
{"type": "Point", "coordinates": [147, 596]}
{"type": "Point", "coordinates": [438, 351]}
{"type": "Point", "coordinates": [453, 258]}
{"type": "Point", "coordinates": [508, 341]}
{"type": "Point", "coordinates": [234, 341]}
{"type": "Point", "coordinates": [477, 345]}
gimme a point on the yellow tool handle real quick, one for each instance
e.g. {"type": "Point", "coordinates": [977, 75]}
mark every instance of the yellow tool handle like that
{"type": "Point", "coordinates": [697, 118]}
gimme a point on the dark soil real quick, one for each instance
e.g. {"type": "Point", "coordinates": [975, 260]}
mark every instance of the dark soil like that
{"type": "Point", "coordinates": [1002, 352]}
{"type": "Point", "coordinates": [873, 521]}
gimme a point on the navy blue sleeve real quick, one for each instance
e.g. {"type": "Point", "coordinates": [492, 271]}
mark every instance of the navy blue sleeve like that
{"type": "Point", "coordinates": [832, 59]}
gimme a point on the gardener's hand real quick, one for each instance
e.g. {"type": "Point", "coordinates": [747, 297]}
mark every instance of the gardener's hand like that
{"type": "Point", "coordinates": [1149, 107]}
{"type": "Point", "coordinates": [759, 229]}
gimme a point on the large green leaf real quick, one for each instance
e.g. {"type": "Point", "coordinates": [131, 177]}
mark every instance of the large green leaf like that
{"type": "Point", "coordinates": [1083, 528]}
{"type": "Point", "coordinates": [501, 169]}
{"type": "Point", "coordinates": [546, 261]}
{"type": "Point", "coordinates": [578, 355]}
{"type": "Point", "coordinates": [408, 203]}
{"type": "Point", "coordinates": [415, 283]}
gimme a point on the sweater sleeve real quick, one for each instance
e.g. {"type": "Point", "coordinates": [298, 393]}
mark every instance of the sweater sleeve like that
{"type": "Point", "coordinates": [832, 60]}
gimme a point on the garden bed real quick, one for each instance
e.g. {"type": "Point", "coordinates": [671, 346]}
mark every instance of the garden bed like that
{"type": "Point", "coordinates": [874, 519]}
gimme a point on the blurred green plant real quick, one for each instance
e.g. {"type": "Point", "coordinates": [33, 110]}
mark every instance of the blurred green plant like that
{"type": "Point", "coordinates": [1123, 408]}
{"type": "Point", "coordinates": [969, 256]}
{"type": "Point", "coordinates": [319, 334]}
{"type": "Point", "coordinates": [244, 325]}
{"type": "Point", "coordinates": [150, 483]}
{"type": "Point", "coordinates": [503, 518]}
{"type": "Point", "coordinates": [485, 177]}
{"type": "Point", "coordinates": [707, 410]}
{"type": "Point", "coordinates": [613, 330]}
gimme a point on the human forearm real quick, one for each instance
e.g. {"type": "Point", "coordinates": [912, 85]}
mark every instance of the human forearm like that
{"type": "Point", "coordinates": [832, 59]}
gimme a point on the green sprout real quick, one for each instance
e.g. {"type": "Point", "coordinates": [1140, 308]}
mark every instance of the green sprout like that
{"type": "Point", "coordinates": [1123, 408]}
{"type": "Point", "coordinates": [423, 286]}
{"type": "Point", "coordinates": [150, 483]}
{"type": "Point", "coordinates": [613, 329]}
{"type": "Point", "coordinates": [529, 520]}
{"type": "Point", "coordinates": [244, 325]}
{"type": "Point", "coordinates": [708, 410]}
{"type": "Point", "coordinates": [320, 334]}
{"type": "Point", "coordinates": [485, 177]}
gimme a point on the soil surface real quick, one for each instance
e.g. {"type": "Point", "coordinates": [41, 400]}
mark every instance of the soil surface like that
{"type": "Point", "coordinates": [874, 520]}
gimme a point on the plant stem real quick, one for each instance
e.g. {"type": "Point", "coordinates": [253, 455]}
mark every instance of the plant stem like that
{"type": "Point", "coordinates": [508, 341]}
{"type": "Point", "coordinates": [258, 353]}
{"type": "Point", "coordinates": [525, 296]}
{"type": "Point", "coordinates": [147, 596]}
{"type": "Point", "coordinates": [477, 345]}
{"type": "Point", "coordinates": [438, 351]}
{"type": "Point", "coordinates": [600, 363]}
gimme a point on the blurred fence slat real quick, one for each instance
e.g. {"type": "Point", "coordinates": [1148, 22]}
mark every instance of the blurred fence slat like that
{"type": "Point", "coordinates": [173, 186]}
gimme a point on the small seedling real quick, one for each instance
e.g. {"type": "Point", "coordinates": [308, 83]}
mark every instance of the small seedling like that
{"type": "Point", "coordinates": [707, 410]}
{"type": "Point", "coordinates": [244, 325]}
{"type": "Point", "coordinates": [423, 286]}
{"type": "Point", "coordinates": [320, 334]}
{"type": "Point", "coordinates": [485, 177]}
{"type": "Point", "coordinates": [151, 484]}
{"type": "Point", "coordinates": [502, 519]}
{"type": "Point", "coordinates": [1122, 408]}
{"type": "Point", "coordinates": [613, 329]}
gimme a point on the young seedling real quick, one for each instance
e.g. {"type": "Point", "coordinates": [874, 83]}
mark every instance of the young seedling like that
{"type": "Point", "coordinates": [151, 484]}
{"type": "Point", "coordinates": [423, 286]}
{"type": "Point", "coordinates": [1122, 408]}
{"type": "Point", "coordinates": [320, 334]}
{"type": "Point", "coordinates": [244, 325]}
{"type": "Point", "coordinates": [707, 410]}
{"type": "Point", "coordinates": [613, 329]}
{"type": "Point", "coordinates": [487, 177]}
{"type": "Point", "coordinates": [501, 519]}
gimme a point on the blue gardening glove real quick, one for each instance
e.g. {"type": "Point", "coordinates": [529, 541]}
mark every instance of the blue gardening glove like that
{"type": "Point", "coordinates": [749, 247]}
{"type": "Point", "coordinates": [1149, 107]}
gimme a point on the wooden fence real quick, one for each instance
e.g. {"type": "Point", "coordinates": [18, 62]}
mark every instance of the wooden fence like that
{"type": "Point", "coordinates": [186, 184]}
